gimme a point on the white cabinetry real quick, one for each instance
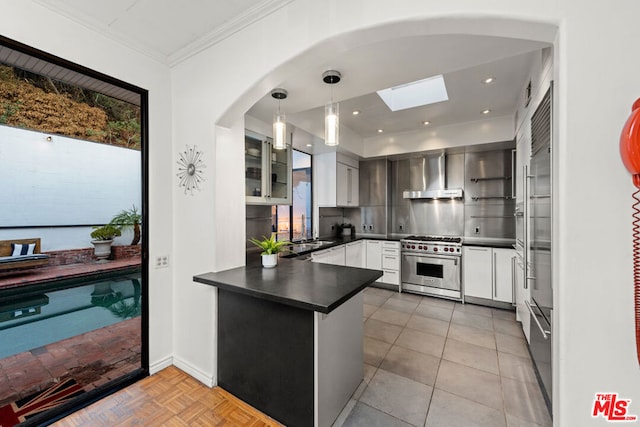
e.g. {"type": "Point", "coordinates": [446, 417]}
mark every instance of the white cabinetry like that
{"type": "Point", "coordinates": [335, 256]}
{"type": "Point", "coordinates": [522, 295]}
{"type": "Point", "coordinates": [267, 171]}
{"type": "Point", "coordinates": [504, 262]}
{"type": "Point", "coordinates": [488, 273]}
{"type": "Point", "coordinates": [391, 263]}
{"type": "Point", "coordinates": [374, 254]}
{"type": "Point", "coordinates": [385, 256]}
{"type": "Point", "coordinates": [337, 178]}
{"type": "Point", "coordinates": [355, 254]}
{"type": "Point", "coordinates": [321, 256]}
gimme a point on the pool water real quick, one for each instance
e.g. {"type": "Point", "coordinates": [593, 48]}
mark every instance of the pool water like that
{"type": "Point", "coordinates": [38, 320]}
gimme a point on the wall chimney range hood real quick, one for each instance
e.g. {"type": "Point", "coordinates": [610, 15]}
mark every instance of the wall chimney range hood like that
{"type": "Point", "coordinates": [429, 179]}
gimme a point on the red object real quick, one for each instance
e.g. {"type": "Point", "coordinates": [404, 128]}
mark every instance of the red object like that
{"type": "Point", "coordinates": [630, 153]}
{"type": "Point", "coordinates": [630, 143]}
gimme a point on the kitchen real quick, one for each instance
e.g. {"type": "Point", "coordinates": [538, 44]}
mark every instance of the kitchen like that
{"type": "Point", "coordinates": [201, 96]}
{"type": "Point", "coordinates": [448, 222]}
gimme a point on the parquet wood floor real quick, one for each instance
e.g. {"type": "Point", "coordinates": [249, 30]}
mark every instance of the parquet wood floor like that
{"type": "Point", "coordinates": [168, 398]}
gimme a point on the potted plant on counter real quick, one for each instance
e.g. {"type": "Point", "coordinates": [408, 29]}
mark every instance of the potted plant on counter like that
{"type": "Point", "coordinates": [102, 239]}
{"type": "Point", "coordinates": [270, 249]}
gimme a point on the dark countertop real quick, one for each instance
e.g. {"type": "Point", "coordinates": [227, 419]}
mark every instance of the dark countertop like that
{"type": "Point", "coordinates": [337, 241]}
{"type": "Point", "coordinates": [301, 284]}
{"type": "Point", "coordinates": [489, 242]}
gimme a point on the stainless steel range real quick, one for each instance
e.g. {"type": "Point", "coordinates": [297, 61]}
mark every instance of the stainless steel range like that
{"type": "Point", "coordinates": [431, 265]}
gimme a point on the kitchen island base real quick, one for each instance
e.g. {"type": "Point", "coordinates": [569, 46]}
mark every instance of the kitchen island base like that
{"type": "Point", "coordinates": [298, 366]}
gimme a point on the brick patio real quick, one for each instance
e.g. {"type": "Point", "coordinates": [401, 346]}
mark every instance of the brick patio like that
{"type": "Point", "coordinates": [92, 359]}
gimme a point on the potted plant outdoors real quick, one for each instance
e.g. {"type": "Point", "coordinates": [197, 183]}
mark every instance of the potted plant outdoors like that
{"type": "Point", "coordinates": [129, 218]}
{"type": "Point", "coordinates": [270, 249]}
{"type": "Point", "coordinates": [102, 239]}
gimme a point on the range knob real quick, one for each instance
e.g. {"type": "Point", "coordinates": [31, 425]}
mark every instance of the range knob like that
{"type": "Point", "coordinates": [435, 249]}
{"type": "Point", "coordinates": [446, 249]}
{"type": "Point", "coordinates": [413, 246]}
{"type": "Point", "coordinates": [419, 247]}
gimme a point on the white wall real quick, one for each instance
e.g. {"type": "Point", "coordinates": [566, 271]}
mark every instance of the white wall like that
{"type": "Point", "coordinates": [65, 181]}
{"type": "Point", "coordinates": [596, 82]}
{"type": "Point", "coordinates": [31, 24]}
{"type": "Point", "coordinates": [596, 79]}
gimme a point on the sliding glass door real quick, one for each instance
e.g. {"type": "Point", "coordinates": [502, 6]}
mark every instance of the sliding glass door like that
{"type": "Point", "coordinates": [73, 281]}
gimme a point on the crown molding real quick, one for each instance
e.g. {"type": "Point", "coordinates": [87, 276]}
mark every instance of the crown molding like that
{"type": "Point", "coordinates": [60, 8]}
{"type": "Point", "coordinates": [227, 29]}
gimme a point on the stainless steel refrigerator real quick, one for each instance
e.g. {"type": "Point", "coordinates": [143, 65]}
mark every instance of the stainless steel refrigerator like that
{"type": "Point", "coordinates": [539, 247]}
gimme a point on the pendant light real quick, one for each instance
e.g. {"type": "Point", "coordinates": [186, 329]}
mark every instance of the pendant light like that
{"type": "Point", "coordinates": [331, 111]}
{"type": "Point", "coordinates": [279, 122]}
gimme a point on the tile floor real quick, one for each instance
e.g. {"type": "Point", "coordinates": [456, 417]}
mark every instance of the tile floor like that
{"type": "Point", "coordinates": [433, 362]}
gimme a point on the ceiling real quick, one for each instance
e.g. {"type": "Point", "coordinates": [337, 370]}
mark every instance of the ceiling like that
{"type": "Point", "coordinates": [166, 30]}
{"type": "Point", "coordinates": [171, 31]}
{"type": "Point", "coordinates": [464, 61]}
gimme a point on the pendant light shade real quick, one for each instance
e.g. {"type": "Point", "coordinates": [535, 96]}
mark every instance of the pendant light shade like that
{"type": "Point", "coordinates": [279, 122]}
{"type": "Point", "coordinates": [332, 124]}
{"type": "Point", "coordinates": [331, 111]}
{"type": "Point", "coordinates": [279, 131]}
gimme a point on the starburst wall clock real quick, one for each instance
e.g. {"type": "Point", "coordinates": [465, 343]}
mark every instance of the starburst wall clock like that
{"type": "Point", "coordinates": [190, 165]}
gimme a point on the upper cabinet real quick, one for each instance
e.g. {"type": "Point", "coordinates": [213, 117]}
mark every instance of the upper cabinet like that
{"type": "Point", "coordinates": [267, 171]}
{"type": "Point", "coordinates": [337, 178]}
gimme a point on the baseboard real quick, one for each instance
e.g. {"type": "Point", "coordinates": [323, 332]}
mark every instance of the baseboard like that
{"type": "Point", "coordinates": [160, 365]}
{"type": "Point", "coordinates": [490, 303]}
{"type": "Point", "coordinates": [205, 378]}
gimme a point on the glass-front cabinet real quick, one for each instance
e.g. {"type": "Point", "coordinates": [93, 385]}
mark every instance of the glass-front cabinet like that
{"type": "Point", "coordinates": [267, 171]}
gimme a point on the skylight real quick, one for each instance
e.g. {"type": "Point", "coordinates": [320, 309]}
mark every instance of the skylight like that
{"type": "Point", "coordinates": [414, 94]}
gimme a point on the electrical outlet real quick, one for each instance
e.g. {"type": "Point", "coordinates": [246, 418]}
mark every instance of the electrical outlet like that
{"type": "Point", "coordinates": [364, 227]}
{"type": "Point", "coordinates": [477, 230]}
{"type": "Point", "coordinates": [161, 261]}
{"type": "Point", "coordinates": [401, 227]}
{"type": "Point", "coordinates": [370, 227]}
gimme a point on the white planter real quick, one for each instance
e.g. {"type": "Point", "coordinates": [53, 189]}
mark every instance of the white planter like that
{"type": "Point", "coordinates": [269, 261]}
{"type": "Point", "coordinates": [102, 248]}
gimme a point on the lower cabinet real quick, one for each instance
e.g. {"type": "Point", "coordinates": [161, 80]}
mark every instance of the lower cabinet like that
{"type": "Point", "coordinates": [355, 254]}
{"type": "Point", "coordinates": [384, 255]}
{"type": "Point", "coordinates": [391, 263]}
{"type": "Point", "coordinates": [489, 273]}
{"type": "Point", "coordinates": [522, 295]}
{"type": "Point", "coordinates": [335, 256]}
{"type": "Point", "coordinates": [373, 254]}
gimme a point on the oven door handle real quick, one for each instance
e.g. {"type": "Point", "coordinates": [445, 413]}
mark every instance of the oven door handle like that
{"type": "Point", "coordinates": [414, 255]}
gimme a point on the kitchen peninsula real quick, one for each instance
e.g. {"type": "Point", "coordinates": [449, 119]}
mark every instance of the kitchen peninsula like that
{"type": "Point", "coordinates": [290, 337]}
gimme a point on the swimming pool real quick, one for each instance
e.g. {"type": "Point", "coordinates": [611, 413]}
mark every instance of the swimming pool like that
{"type": "Point", "coordinates": [37, 320]}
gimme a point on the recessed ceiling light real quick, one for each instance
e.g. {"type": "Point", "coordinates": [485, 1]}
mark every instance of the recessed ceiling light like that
{"type": "Point", "coordinates": [488, 80]}
{"type": "Point", "coordinates": [355, 112]}
{"type": "Point", "coordinates": [380, 130]}
{"type": "Point", "coordinates": [309, 145]}
{"type": "Point", "coordinates": [422, 92]}
{"type": "Point", "coordinates": [487, 111]}
{"type": "Point", "coordinates": [426, 122]}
